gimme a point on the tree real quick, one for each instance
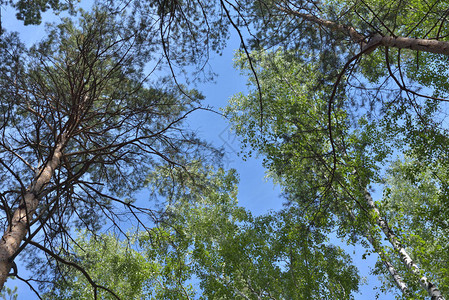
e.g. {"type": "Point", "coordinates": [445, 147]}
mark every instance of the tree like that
{"type": "Point", "coordinates": [30, 12]}
{"type": "Point", "coordinates": [403, 82]}
{"type": "Point", "coordinates": [142, 269]}
{"type": "Point", "coordinates": [210, 239]}
{"type": "Point", "coordinates": [414, 206]}
{"type": "Point", "coordinates": [362, 42]}
{"type": "Point", "coordinates": [406, 88]}
{"type": "Point", "coordinates": [324, 163]}
{"type": "Point", "coordinates": [80, 127]}
{"type": "Point", "coordinates": [181, 34]}
{"type": "Point", "coordinates": [10, 294]}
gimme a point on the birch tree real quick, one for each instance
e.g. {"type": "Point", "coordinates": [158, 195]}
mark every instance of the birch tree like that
{"type": "Point", "coordinates": [387, 58]}
{"type": "Point", "coordinates": [324, 163]}
{"type": "Point", "coordinates": [415, 194]}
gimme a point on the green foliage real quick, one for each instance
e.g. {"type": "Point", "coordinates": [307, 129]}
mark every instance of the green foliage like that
{"type": "Point", "coordinates": [109, 262]}
{"type": "Point", "coordinates": [210, 240]}
{"type": "Point", "coordinates": [30, 11]}
{"type": "Point", "coordinates": [325, 163]}
{"type": "Point", "coordinates": [376, 78]}
{"type": "Point", "coordinates": [278, 256]}
{"type": "Point", "coordinates": [415, 205]}
{"type": "Point", "coordinates": [295, 141]}
{"type": "Point", "coordinates": [9, 294]}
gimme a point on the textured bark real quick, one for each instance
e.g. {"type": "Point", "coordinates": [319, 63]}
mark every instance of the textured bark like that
{"type": "Point", "coordinates": [391, 269]}
{"type": "Point", "coordinates": [431, 46]}
{"type": "Point", "coordinates": [424, 45]}
{"type": "Point", "coordinates": [432, 290]}
{"type": "Point", "coordinates": [346, 30]}
{"type": "Point", "coordinates": [22, 216]}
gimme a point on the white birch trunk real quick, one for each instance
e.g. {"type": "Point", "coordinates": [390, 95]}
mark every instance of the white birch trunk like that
{"type": "Point", "coordinates": [391, 269]}
{"type": "Point", "coordinates": [431, 289]}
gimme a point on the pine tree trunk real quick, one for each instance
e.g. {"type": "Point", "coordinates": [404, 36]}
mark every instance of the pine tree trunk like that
{"type": "Point", "coordinates": [424, 45]}
{"type": "Point", "coordinates": [431, 46]}
{"type": "Point", "coordinates": [22, 216]}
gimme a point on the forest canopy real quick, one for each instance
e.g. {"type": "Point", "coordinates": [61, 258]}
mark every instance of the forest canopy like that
{"type": "Point", "coordinates": [345, 109]}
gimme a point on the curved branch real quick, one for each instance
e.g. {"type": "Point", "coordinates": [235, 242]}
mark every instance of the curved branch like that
{"type": "Point", "coordinates": [250, 61]}
{"type": "Point", "coordinates": [424, 45]}
{"type": "Point", "coordinates": [76, 266]}
{"type": "Point", "coordinates": [29, 285]}
{"type": "Point", "coordinates": [331, 102]}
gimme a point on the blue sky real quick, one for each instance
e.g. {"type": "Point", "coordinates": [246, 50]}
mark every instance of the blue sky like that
{"type": "Point", "coordinates": [256, 193]}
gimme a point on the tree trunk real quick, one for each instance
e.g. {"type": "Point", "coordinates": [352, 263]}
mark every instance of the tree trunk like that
{"type": "Point", "coordinates": [22, 216]}
{"type": "Point", "coordinates": [431, 46]}
{"type": "Point", "coordinates": [391, 269]}
{"type": "Point", "coordinates": [433, 291]}
{"type": "Point", "coordinates": [424, 45]}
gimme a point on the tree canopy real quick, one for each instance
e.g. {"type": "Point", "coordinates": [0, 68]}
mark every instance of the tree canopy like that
{"type": "Point", "coordinates": [81, 128]}
{"type": "Point", "coordinates": [323, 63]}
{"type": "Point", "coordinates": [346, 107]}
{"type": "Point", "coordinates": [232, 254]}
